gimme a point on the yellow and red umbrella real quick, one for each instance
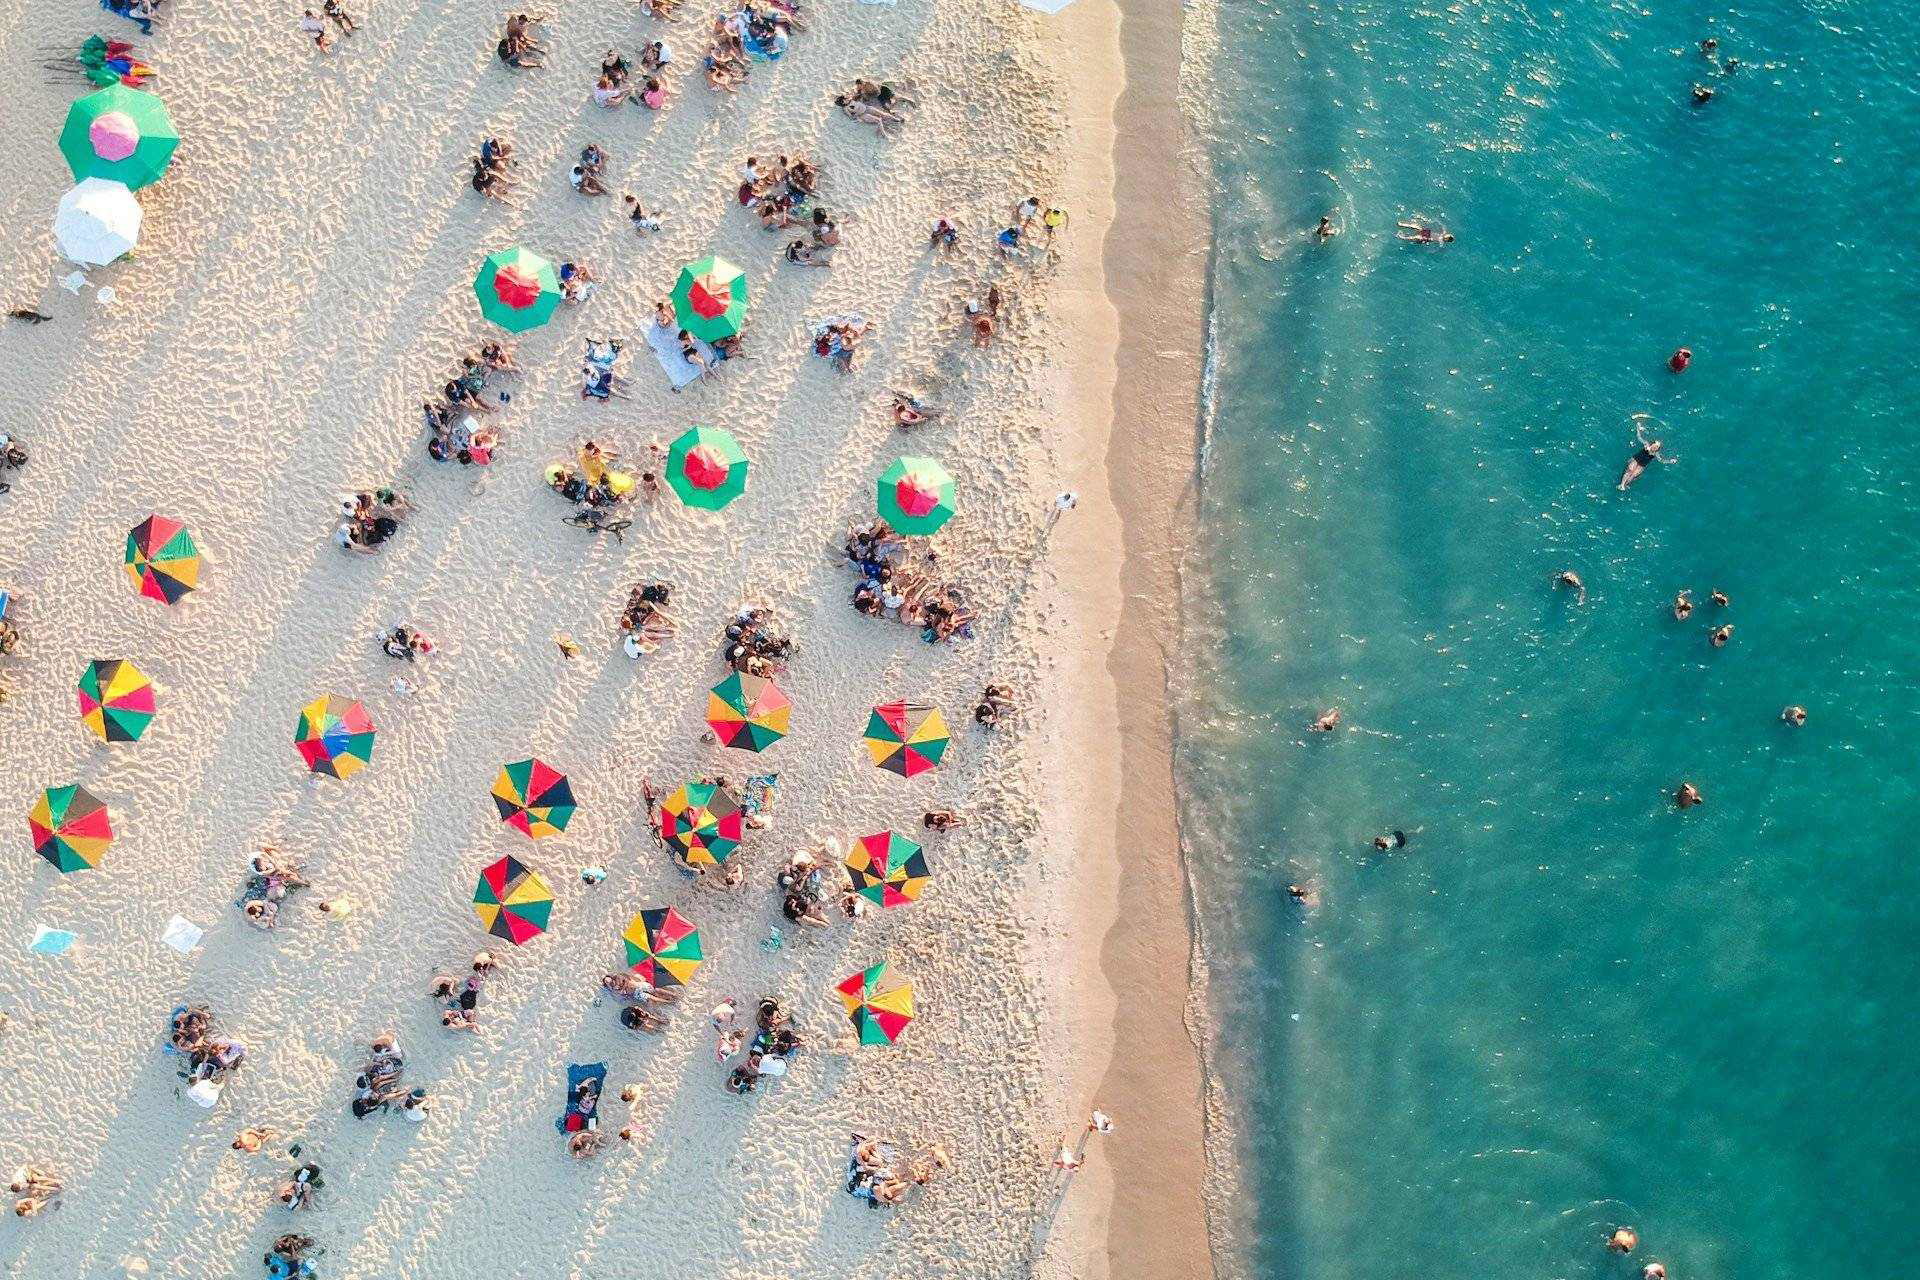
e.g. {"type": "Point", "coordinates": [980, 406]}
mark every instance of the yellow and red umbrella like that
{"type": "Point", "coordinates": [534, 798]}
{"type": "Point", "coordinates": [906, 738]}
{"type": "Point", "coordinates": [703, 821]}
{"type": "Point", "coordinates": [888, 869]}
{"type": "Point", "coordinates": [70, 826]}
{"type": "Point", "coordinates": [512, 902]}
{"type": "Point", "coordinates": [162, 559]}
{"type": "Point", "coordinates": [663, 947]}
{"type": "Point", "coordinates": [880, 1004]}
{"type": "Point", "coordinates": [116, 700]}
{"type": "Point", "coordinates": [748, 712]}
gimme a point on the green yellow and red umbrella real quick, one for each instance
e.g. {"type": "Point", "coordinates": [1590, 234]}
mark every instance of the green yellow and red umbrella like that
{"type": "Point", "coordinates": [116, 700]}
{"type": "Point", "coordinates": [748, 712]}
{"type": "Point", "coordinates": [707, 468]}
{"type": "Point", "coordinates": [916, 495]}
{"type": "Point", "coordinates": [906, 738]}
{"type": "Point", "coordinates": [512, 902]}
{"type": "Point", "coordinates": [880, 1004]}
{"type": "Point", "coordinates": [534, 798]}
{"type": "Point", "coordinates": [70, 826]}
{"type": "Point", "coordinates": [518, 289]}
{"type": "Point", "coordinates": [663, 947]}
{"type": "Point", "coordinates": [123, 135]}
{"type": "Point", "coordinates": [703, 821]}
{"type": "Point", "coordinates": [334, 736]}
{"type": "Point", "coordinates": [888, 869]}
{"type": "Point", "coordinates": [710, 299]}
{"type": "Point", "coordinates": [162, 559]}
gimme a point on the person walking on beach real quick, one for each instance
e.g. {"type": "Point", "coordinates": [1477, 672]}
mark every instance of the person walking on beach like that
{"type": "Point", "coordinates": [1066, 502]}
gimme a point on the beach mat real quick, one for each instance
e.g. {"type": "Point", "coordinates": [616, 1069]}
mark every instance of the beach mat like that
{"type": "Point", "coordinates": [572, 1119]}
{"type": "Point", "coordinates": [665, 345]}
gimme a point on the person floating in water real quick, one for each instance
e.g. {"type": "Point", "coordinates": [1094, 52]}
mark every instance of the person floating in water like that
{"type": "Point", "coordinates": [1683, 606]}
{"type": "Point", "coordinates": [1686, 797]}
{"type": "Point", "coordinates": [1418, 231]}
{"type": "Point", "coordinates": [1622, 1240]}
{"type": "Point", "coordinates": [1645, 456]}
{"type": "Point", "coordinates": [1327, 229]}
{"type": "Point", "coordinates": [1568, 578]}
{"type": "Point", "coordinates": [1719, 636]}
{"type": "Point", "coordinates": [1397, 840]}
{"type": "Point", "coordinates": [1795, 715]}
{"type": "Point", "coordinates": [1329, 721]}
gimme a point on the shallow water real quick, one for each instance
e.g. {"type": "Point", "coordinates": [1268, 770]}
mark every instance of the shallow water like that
{"type": "Point", "coordinates": [1565, 1005]}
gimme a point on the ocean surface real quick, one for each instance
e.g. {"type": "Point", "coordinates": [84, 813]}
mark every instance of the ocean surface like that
{"type": "Point", "coordinates": [1565, 1005]}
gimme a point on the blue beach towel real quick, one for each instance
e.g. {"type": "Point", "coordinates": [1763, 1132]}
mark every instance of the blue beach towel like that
{"type": "Point", "coordinates": [572, 1119]}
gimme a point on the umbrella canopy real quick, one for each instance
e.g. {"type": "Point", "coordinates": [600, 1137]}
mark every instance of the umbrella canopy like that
{"type": "Point", "coordinates": [116, 700]}
{"type": "Point", "coordinates": [162, 560]}
{"type": "Point", "coordinates": [880, 1004]}
{"type": "Point", "coordinates": [534, 798]}
{"type": "Point", "coordinates": [70, 827]}
{"type": "Point", "coordinates": [887, 869]}
{"type": "Point", "coordinates": [707, 468]}
{"type": "Point", "coordinates": [703, 821]}
{"type": "Point", "coordinates": [512, 902]}
{"type": "Point", "coordinates": [710, 299]}
{"type": "Point", "coordinates": [518, 289]}
{"type": "Point", "coordinates": [334, 736]}
{"type": "Point", "coordinates": [663, 947]}
{"type": "Point", "coordinates": [748, 712]}
{"type": "Point", "coordinates": [916, 495]}
{"type": "Point", "coordinates": [906, 738]}
{"type": "Point", "coordinates": [96, 222]}
{"type": "Point", "coordinates": [119, 133]}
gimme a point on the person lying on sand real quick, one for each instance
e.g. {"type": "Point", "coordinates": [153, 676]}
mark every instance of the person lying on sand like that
{"type": "Point", "coordinates": [882, 121]}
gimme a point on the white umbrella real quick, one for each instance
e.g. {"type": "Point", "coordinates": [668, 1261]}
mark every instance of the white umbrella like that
{"type": "Point", "coordinates": [1047, 6]}
{"type": "Point", "coordinates": [98, 221]}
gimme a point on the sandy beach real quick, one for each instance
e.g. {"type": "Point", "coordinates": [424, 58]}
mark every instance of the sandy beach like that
{"type": "Point", "coordinates": [303, 283]}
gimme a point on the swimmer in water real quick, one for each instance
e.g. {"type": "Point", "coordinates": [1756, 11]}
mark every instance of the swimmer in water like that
{"type": "Point", "coordinates": [1719, 598]}
{"type": "Point", "coordinates": [1622, 1240]}
{"type": "Point", "coordinates": [1329, 721]}
{"type": "Point", "coordinates": [1680, 359]}
{"type": "Point", "coordinates": [1398, 840]}
{"type": "Point", "coordinates": [1795, 716]}
{"type": "Point", "coordinates": [1568, 578]}
{"type": "Point", "coordinates": [1327, 230]}
{"type": "Point", "coordinates": [1719, 636]}
{"type": "Point", "coordinates": [1304, 894]}
{"type": "Point", "coordinates": [1645, 456]}
{"type": "Point", "coordinates": [1708, 46]}
{"type": "Point", "coordinates": [1653, 1271]}
{"type": "Point", "coordinates": [1686, 797]}
{"type": "Point", "coordinates": [1683, 606]}
{"type": "Point", "coordinates": [1702, 95]}
{"type": "Point", "coordinates": [1420, 233]}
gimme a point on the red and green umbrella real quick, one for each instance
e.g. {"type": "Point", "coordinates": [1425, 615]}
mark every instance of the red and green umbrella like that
{"type": "Point", "coordinates": [906, 738]}
{"type": "Point", "coordinates": [120, 134]}
{"type": "Point", "coordinates": [707, 468]}
{"type": "Point", "coordinates": [710, 299]}
{"type": "Point", "coordinates": [512, 902]}
{"type": "Point", "coordinates": [70, 827]}
{"type": "Point", "coordinates": [880, 1004]}
{"type": "Point", "coordinates": [703, 821]}
{"type": "Point", "coordinates": [889, 870]}
{"type": "Point", "coordinates": [663, 947]}
{"type": "Point", "coordinates": [116, 700]}
{"type": "Point", "coordinates": [162, 560]}
{"type": "Point", "coordinates": [534, 798]}
{"type": "Point", "coordinates": [916, 495]}
{"type": "Point", "coordinates": [748, 712]}
{"type": "Point", "coordinates": [334, 736]}
{"type": "Point", "coordinates": [518, 289]}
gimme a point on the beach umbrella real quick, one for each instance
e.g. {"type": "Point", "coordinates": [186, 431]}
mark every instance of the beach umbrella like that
{"type": "Point", "coordinates": [710, 299]}
{"type": "Point", "coordinates": [1047, 6]}
{"type": "Point", "coordinates": [116, 700]}
{"type": "Point", "coordinates": [512, 902]}
{"type": "Point", "coordinates": [121, 134]}
{"type": "Point", "coordinates": [880, 1003]}
{"type": "Point", "coordinates": [703, 821]}
{"type": "Point", "coordinates": [916, 495]}
{"type": "Point", "coordinates": [663, 947]}
{"type": "Point", "coordinates": [707, 468]}
{"type": "Point", "coordinates": [534, 798]}
{"type": "Point", "coordinates": [518, 289]}
{"type": "Point", "coordinates": [906, 738]}
{"type": "Point", "coordinates": [162, 560]}
{"type": "Point", "coordinates": [70, 827]}
{"type": "Point", "coordinates": [888, 869]}
{"type": "Point", "coordinates": [334, 736]}
{"type": "Point", "coordinates": [748, 712]}
{"type": "Point", "coordinates": [96, 222]}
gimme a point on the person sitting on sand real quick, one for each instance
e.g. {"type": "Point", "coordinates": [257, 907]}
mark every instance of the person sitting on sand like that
{"type": "Point", "coordinates": [996, 703]}
{"type": "Point", "coordinates": [655, 57]}
{"type": "Point", "coordinates": [946, 235]}
{"type": "Point", "coordinates": [642, 222]}
{"type": "Point", "coordinates": [585, 176]}
{"type": "Point", "coordinates": [802, 254]}
{"type": "Point", "coordinates": [296, 1192]}
{"type": "Point", "coordinates": [609, 93]}
{"type": "Point", "coordinates": [576, 282]}
{"type": "Point", "coordinates": [653, 94]}
{"type": "Point", "coordinates": [39, 1190]}
{"type": "Point", "coordinates": [909, 411]}
{"type": "Point", "coordinates": [941, 819]}
{"type": "Point", "coordinates": [615, 67]}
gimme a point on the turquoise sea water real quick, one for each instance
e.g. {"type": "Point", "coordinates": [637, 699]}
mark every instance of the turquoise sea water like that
{"type": "Point", "coordinates": [1566, 1005]}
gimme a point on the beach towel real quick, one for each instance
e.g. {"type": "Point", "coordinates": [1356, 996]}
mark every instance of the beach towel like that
{"type": "Point", "coordinates": [572, 1119]}
{"type": "Point", "coordinates": [665, 345]}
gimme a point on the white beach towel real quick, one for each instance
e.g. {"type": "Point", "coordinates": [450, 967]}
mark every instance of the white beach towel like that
{"type": "Point", "coordinates": [665, 344]}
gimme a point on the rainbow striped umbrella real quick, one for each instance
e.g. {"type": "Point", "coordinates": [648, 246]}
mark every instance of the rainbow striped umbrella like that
{"type": "Point", "coordinates": [334, 736]}
{"type": "Point", "coordinates": [916, 495]}
{"type": "Point", "coordinates": [906, 738]}
{"type": "Point", "coordinates": [703, 821]}
{"type": "Point", "coordinates": [512, 902]}
{"type": "Point", "coordinates": [162, 560]}
{"type": "Point", "coordinates": [888, 869]}
{"type": "Point", "coordinates": [70, 827]}
{"type": "Point", "coordinates": [710, 299]}
{"type": "Point", "coordinates": [748, 712]}
{"type": "Point", "coordinates": [116, 700]}
{"type": "Point", "coordinates": [880, 1004]}
{"type": "Point", "coordinates": [663, 947]}
{"type": "Point", "coordinates": [518, 289]}
{"type": "Point", "coordinates": [534, 798]}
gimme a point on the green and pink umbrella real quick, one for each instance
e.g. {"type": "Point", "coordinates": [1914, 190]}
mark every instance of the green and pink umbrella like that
{"type": "Point", "coordinates": [518, 289]}
{"type": "Point", "coordinates": [916, 495]}
{"type": "Point", "coordinates": [121, 134]}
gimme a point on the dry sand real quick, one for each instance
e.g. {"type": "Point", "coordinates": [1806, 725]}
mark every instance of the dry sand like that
{"type": "Point", "coordinates": [303, 284]}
